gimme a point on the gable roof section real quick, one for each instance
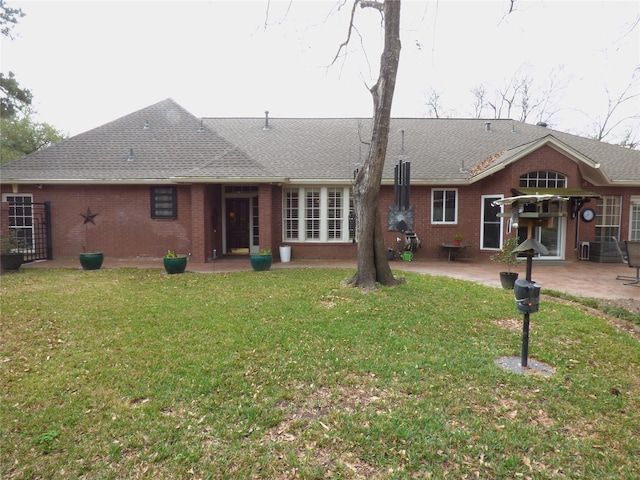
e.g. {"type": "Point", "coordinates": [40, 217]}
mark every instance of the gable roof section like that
{"type": "Point", "coordinates": [167, 144]}
{"type": "Point", "coordinates": [589, 168]}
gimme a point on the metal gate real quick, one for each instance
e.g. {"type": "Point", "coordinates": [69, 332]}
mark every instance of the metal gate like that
{"type": "Point", "coordinates": [31, 223]}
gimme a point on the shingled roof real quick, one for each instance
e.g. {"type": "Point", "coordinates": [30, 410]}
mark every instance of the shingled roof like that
{"type": "Point", "coordinates": [452, 151]}
{"type": "Point", "coordinates": [171, 145]}
{"type": "Point", "coordinates": [157, 143]}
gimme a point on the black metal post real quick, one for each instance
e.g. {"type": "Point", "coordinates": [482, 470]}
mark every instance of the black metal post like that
{"type": "Point", "coordinates": [525, 323]}
{"type": "Point", "coordinates": [525, 341]}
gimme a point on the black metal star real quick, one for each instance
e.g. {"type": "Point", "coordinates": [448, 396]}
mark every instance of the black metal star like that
{"type": "Point", "coordinates": [88, 217]}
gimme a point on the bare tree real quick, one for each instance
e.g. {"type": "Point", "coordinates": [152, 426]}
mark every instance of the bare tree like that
{"type": "Point", "coordinates": [519, 98]}
{"type": "Point", "coordinates": [373, 265]}
{"type": "Point", "coordinates": [605, 125]}
{"type": "Point", "coordinates": [434, 103]}
{"type": "Point", "coordinates": [479, 100]}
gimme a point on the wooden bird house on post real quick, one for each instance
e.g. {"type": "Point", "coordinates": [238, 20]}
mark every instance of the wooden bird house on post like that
{"type": "Point", "coordinates": [527, 292]}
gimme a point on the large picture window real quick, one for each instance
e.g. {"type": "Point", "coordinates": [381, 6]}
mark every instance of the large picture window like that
{"type": "Point", "coordinates": [164, 202]}
{"type": "Point", "coordinates": [317, 214]}
{"type": "Point", "coordinates": [444, 206]}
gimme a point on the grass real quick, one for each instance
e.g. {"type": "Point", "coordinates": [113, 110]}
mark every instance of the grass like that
{"type": "Point", "coordinates": [127, 373]}
{"type": "Point", "coordinates": [606, 306]}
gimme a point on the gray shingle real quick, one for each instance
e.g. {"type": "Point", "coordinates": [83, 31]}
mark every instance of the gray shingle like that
{"type": "Point", "coordinates": [173, 147]}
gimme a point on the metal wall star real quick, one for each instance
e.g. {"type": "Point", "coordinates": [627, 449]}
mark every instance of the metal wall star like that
{"type": "Point", "coordinates": [88, 217]}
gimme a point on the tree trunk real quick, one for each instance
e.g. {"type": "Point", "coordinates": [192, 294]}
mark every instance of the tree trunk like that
{"type": "Point", "coordinates": [373, 265]}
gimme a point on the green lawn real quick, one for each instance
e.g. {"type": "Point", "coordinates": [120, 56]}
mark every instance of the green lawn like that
{"type": "Point", "coordinates": [127, 373]}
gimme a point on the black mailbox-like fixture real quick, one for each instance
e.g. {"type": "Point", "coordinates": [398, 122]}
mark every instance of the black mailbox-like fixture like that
{"type": "Point", "coordinates": [527, 295]}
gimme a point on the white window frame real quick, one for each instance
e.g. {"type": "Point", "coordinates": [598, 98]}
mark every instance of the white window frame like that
{"type": "Point", "coordinates": [634, 218]}
{"type": "Point", "coordinates": [543, 179]}
{"type": "Point", "coordinates": [25, 233]}
{"type": "Point", "coordinates": [443, 221]}
{"type": "Point", "coordinates": [482, 222]}
{"type": "Point", "coordinates": [608, 217]}
{"type": "Point", "coordinates": [345, 193]}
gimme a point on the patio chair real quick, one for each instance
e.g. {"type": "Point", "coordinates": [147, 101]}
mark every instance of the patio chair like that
{"type": "Point", "coordinates": [622, 250]}
{"type": "Point", "coordinates": [633, 260]}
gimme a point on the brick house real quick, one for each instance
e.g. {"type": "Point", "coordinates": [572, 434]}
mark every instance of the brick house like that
{"type": "Point", "coordinates": [160, 179]}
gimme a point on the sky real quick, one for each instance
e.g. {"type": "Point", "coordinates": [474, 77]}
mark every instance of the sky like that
{"type": "Point", "coordinates": [90, 62]}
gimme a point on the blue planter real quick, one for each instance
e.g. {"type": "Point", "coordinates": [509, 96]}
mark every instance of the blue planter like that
{"type": "Point", "coordinates": [175, 264]}
{"type": "Point", "coordinates": [261, 262]}
{"type": "Point", "coordinates": [91, 261]}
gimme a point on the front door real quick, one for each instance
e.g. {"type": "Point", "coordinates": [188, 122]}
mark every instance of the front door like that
{"type": "Point", "coordinates": [238, 225]}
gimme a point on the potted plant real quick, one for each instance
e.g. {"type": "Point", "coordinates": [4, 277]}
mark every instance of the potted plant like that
{"type": "Point", "coordinates": [457, 239]}
{"type": "Point", "coordinates": [10, 257]}
{"type": "Point", "coordinates": [174, 263]}
{"type": "Point", "coordinates": [262, 260]}
{"type": "Point", "coordinates": [507, 256]}
{"type": "Point", "coordinates": [90, 260]}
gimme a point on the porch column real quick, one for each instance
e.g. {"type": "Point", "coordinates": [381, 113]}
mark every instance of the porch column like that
{"type": "Point", "coordinates": [198, 253]}
{"type": "Point", "coordinates": [265, 216]}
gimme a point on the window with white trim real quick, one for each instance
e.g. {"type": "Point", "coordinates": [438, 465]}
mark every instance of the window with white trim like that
{"type": "Point", "coordinates": [312, 216]}
{"type": "Point", "coordinates": [634, 219]}
{"type": "Point", "coordinates": [335, 213]}
{"type": "Point", "coordinates": [543, 179]}
{"type": "Point", "coordinates": [491, 225]}
{"type": "Point", "coordinates": [21, 218]}
{"type": "Point", "coordinates": [317, 214]}
{"type": "Point", "coordinates": [444, 206]}
{"type": "Point", "coordinates": [290, 214]}
{"type": "Point", "coordinates": [608, 213]}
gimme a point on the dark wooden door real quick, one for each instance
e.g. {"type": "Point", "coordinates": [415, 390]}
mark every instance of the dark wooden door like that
{"type": "Point", "coordinates": [238, 222]}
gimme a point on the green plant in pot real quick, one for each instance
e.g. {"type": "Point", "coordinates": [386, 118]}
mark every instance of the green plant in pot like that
{"type": "Point", "coordinates": [90, 260]}
{"type": "Point", "coordinates": [174, 263]}
{"type": "Point", "coordinates": [507, 256]}
{"type": "Point", "coordinates": [262, 260]}
{"type": "Point", "coordinates": [457, 239]}
{"type": "Point", "coordinates": [11, 258]}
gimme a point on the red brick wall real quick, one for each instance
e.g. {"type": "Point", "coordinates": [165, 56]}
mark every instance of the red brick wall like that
{"type": "Point", "coordinates": [123, 225]}
{"type": "Point", "coordinates": [124, 228]}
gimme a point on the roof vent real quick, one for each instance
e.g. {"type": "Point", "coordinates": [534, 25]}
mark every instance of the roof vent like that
{"type": "Point", "coordinates": [201, 127]}
{"type": "Point", "coordinates": [131, 157]}
{"type": "Point", "coordinates": [487, 126]}
{"type": "Point", "coordinates": [542, 124]}
{"type": "Point", "coordinates": [146, 125]}
{"type": "Point", "coordinates": [266, 121]}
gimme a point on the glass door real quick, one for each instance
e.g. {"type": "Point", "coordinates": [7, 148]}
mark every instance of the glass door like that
{"type": "Point", "coordinates": [551, 231]}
